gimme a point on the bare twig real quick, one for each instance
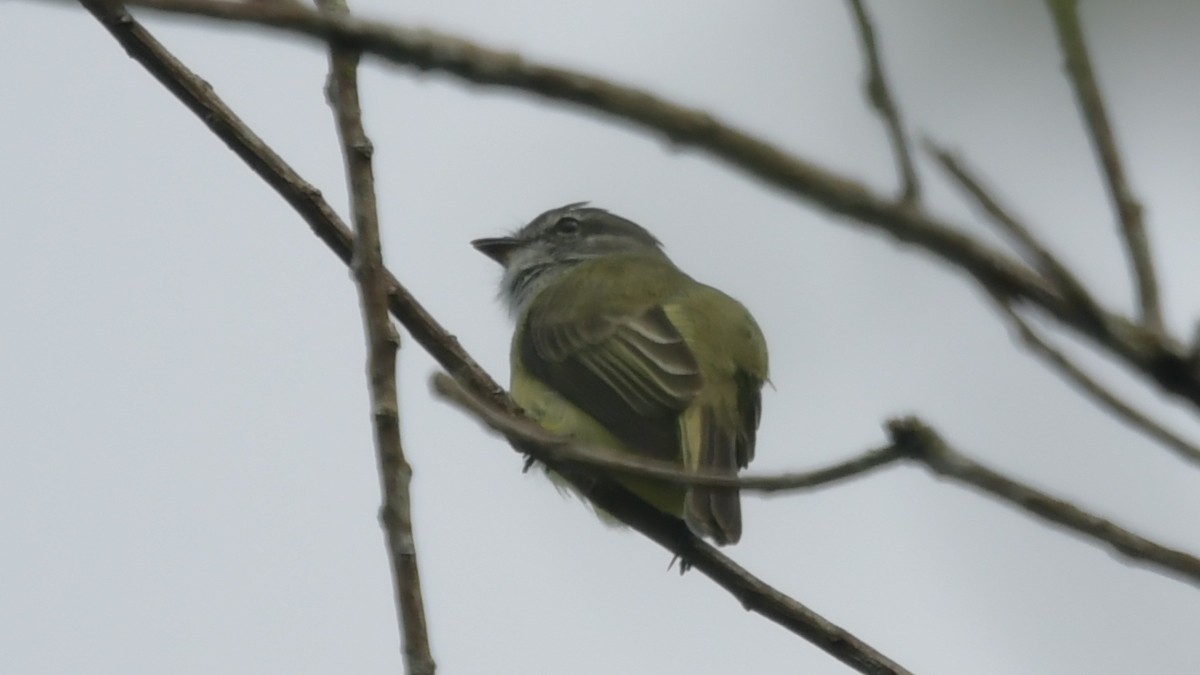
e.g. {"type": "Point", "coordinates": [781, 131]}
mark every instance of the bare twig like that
{"type": "Point", "coordinates": [1043, 259]}
{"type": "Point", "coordinates": [754, 594]}
{"type": "Point", "coordinates": [1156, 355]}
{"type": "Point", "coordinates": [1104, 141]}
{"type": "Point", "coordinates": [880, 96]}
{"type": "Point", "coordinates": [382, 343]}
{"type": "Point", "coordinates": [1098, 392]}
{"type": "Point", "coordinates": [609, 495]}
{"type": "Point", "coordinates": [301, 195]}
{"type": "Point", "coordinates": [923, 444]}
{"type": "Point", "coordinates": [562, 449]}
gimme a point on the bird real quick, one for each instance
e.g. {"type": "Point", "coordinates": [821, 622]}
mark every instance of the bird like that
{"type": "Point", "coordinates": [614, 345]}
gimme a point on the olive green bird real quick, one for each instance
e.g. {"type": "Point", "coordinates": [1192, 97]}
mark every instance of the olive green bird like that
{"type": "Point", "coordinates": [616, 346]}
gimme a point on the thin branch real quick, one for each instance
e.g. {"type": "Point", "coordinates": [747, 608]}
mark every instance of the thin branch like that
{"type": "Point", "coordinates": [609, 495]}
{"type": "Point", "coordinates": [1164, 361]}
{"type": "Point", "coordinates": [1098, 392]}
{"type": "Point", "coordinates": [524, 431]}
{"type": "Point", "coordinates": [382, 344]}
{"type": "Point", "coordinates": [1043, 259]}
{"type": "Point", "coordinates": [754, 594]}
{"type": "Point", "coordinates": [1156, 355]}
{"type": "Point", "coordinates": [924, 445]}
{"type": "Point", "coordinates": [304, 197]}
{"type": "Point", "coordinates": [880, 96]}
{"type": "Point", "coordinates": [1104, 141]}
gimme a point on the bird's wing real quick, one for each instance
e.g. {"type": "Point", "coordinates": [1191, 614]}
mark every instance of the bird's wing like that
{"type": "Point", "coordinates": [634, 374]}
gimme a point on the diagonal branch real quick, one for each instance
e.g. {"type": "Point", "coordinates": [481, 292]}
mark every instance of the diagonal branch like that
{"type": "Point", "coordinates": [924, 445]}
{"type": "Point", "coordinates": [382, 344]}
{"type": "Point", "coordinates": [1156, 355]}
{"type": "Point", "coordinates": [521, 429]}
{"type": "Point", "coordinates": [1098, 392]}
{"type": "Point", "coordinates": [753, 593]}
{"type": "Point", "coordinates": [1104, 141]}
{"type": "Point", "coordinates": [880, 96]}
{"type": "Point", "coordinates": [1043, 259]}
{"type": "Point", "coordinates": [302, 196]}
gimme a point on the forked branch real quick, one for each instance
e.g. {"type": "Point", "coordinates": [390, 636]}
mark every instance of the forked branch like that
{"type": "Point", "coordinates": [1042, 258]}
{"type": "Point", "coordinates": [1158, 356]}
{"type": "Point", "coordinates": [753, 593]}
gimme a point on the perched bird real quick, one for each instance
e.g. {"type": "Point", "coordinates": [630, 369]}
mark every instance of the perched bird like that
{"type": "Point", "coordinates": [616, 346]}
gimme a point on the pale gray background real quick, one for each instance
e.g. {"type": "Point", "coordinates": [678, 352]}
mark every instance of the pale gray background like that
{"type": "Point", "coordinates": [187, 483]}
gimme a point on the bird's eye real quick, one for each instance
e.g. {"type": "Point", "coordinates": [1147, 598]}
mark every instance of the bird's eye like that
{"type": "Point", "coordinates": [567, 225]}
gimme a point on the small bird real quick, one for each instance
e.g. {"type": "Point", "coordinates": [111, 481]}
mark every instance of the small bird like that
{"type": "Point", "coordinates": [616, 346]}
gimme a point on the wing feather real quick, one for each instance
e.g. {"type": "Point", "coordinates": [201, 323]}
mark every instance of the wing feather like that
{"type": "Point", "coordinates": [634, 374]}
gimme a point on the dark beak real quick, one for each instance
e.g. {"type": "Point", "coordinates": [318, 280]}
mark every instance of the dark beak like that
{"type": "Point", "coordinates": [497, 248]}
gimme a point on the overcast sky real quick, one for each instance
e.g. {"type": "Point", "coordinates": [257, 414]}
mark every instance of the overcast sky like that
{"type": "Point", "coordinates": [187, 483]}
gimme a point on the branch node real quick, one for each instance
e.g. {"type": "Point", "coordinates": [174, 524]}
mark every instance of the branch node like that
{"type": "Point", "coordinates": [916, 440]}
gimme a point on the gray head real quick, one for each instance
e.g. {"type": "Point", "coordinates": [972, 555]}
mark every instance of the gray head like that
{"type": "Point", "coordinates": [557, 240]}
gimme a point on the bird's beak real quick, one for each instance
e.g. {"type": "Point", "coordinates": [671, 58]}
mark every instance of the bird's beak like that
{"type": "Point", "coordinates": [497, 248]}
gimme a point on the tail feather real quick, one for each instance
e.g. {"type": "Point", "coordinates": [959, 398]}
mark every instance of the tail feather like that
{"type": "Point", "coordinates": [711, 511]}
